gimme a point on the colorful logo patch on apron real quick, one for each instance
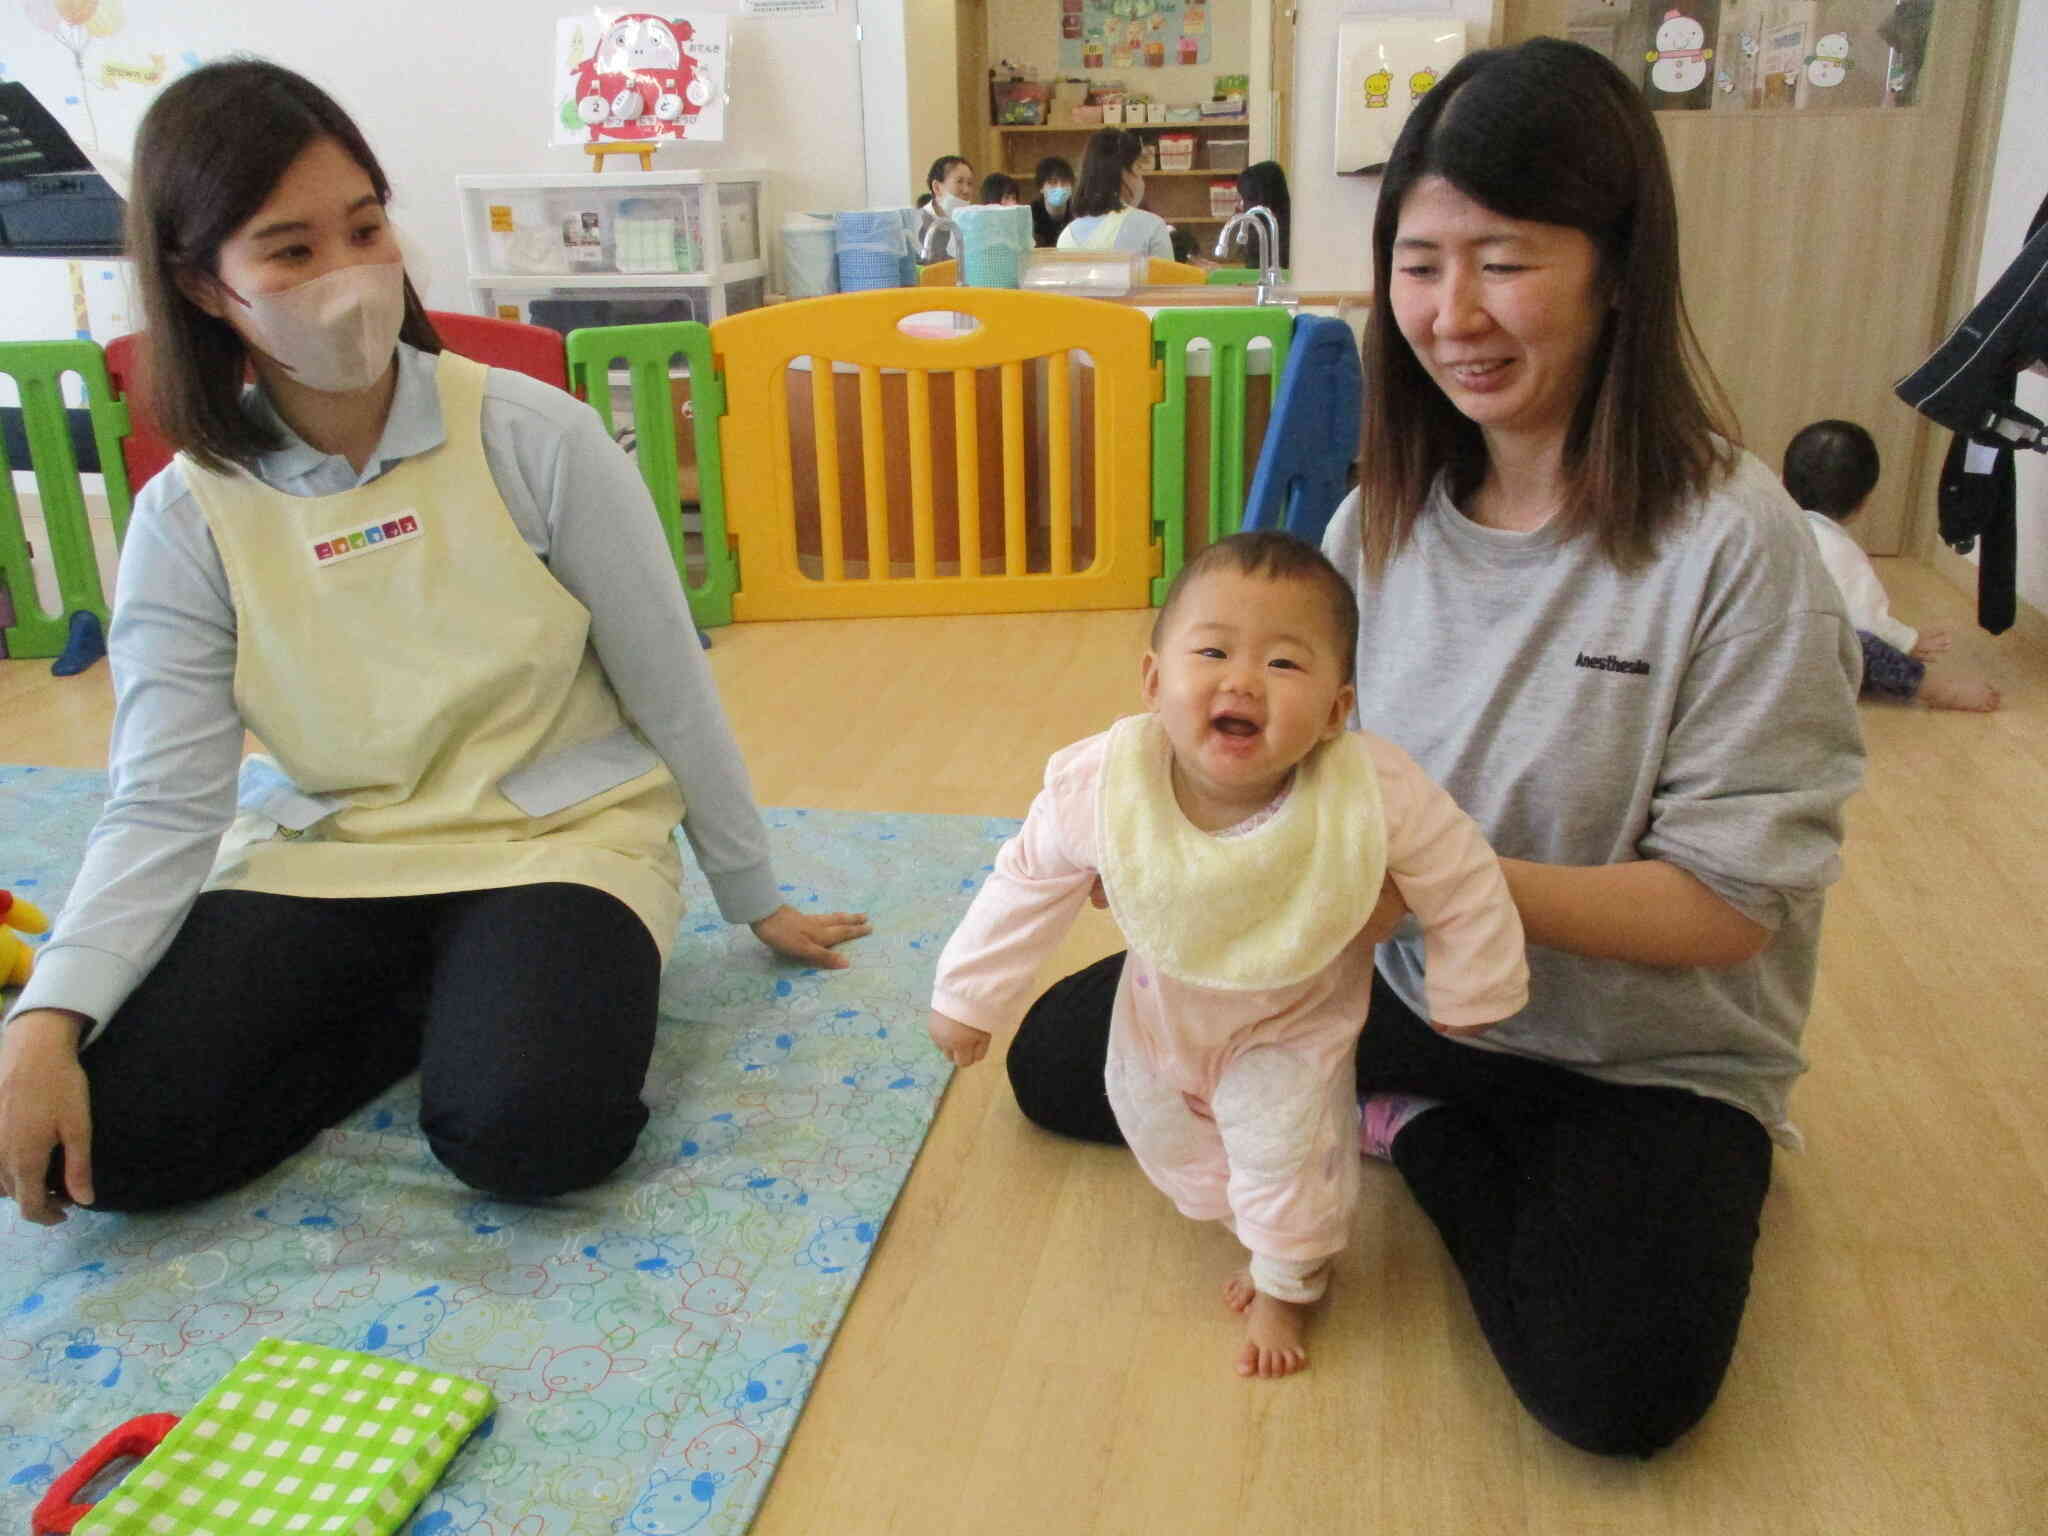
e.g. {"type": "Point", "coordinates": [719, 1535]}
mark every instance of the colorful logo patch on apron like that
{"type": "Point", "coordinates": [347, 543]}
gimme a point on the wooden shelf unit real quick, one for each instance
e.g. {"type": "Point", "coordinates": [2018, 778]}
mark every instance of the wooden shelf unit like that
{"type": "Point", "coordinates": [1179, 197]}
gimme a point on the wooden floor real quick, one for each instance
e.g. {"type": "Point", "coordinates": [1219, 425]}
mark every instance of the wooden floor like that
{"type": "Point", "coordinates": [1038, 1345]}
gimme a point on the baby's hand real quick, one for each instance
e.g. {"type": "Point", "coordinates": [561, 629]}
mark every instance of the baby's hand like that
{"type": "Point", "coordinates": [1932, 643]}
{"type": "Point", "coordinates": [963, 1044]}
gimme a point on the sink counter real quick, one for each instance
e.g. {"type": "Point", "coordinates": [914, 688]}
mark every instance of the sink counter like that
{"type": "Point", "coordinates": [1234, 295]}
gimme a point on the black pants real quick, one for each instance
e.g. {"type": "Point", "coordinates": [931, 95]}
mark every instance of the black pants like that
{"type": "Point", "coordinates": [1888, 672]}
{"type": "Point", "coordinates": [1604, 1233]}
{"type": "Point", "coordinates": [529, 1013]}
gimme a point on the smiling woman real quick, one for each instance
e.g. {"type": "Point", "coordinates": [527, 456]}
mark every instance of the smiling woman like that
{"type": "Point", "coordinates": [1604, 629]}
{"type": "Point", "coordinates": [1529, 255]}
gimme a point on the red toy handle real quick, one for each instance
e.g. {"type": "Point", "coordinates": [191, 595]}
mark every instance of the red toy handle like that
{"type": "Point", "coordinates": [138, 1437]}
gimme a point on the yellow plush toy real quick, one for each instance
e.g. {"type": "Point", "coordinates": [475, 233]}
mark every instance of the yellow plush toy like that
{"type": "Point", "coordinates": [15, 956]}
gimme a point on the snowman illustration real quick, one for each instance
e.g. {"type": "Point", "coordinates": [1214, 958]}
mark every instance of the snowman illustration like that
{"type": "Point", "coordinates": [1679, 61]}
{"type": "Point", "coordinates": [1829, 64]}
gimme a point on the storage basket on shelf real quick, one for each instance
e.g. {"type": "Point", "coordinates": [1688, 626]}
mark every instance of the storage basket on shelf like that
{"type": "Point", "coordinates": [1229, 154]}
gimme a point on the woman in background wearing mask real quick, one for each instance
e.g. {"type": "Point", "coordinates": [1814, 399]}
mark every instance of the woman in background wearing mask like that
{"type": "Point", "coordinates": [950, 187]}
{"type": "Point", "coordinates": [1050, 209]}
{"type": "Point", "coordinates": [1264, 185]}
{"type": "Point", "coordinates": [438, 593]}
{"type": "Point", "coordinates": [1106, 212]}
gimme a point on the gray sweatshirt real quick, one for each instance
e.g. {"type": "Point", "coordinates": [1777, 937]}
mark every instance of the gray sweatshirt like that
{"type": "Point", "coordinates": [1700, 710]}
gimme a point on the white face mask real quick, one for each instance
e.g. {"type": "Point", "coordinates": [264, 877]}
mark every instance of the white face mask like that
{"type": "Point", "coordinates": [950, 205]}
{"type": "Point", "coordinates": [335, 333]}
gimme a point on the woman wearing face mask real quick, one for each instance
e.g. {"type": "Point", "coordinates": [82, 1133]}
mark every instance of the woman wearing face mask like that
{"type": "Point", "coordinates": [1051, 208]}
{"type": "Point", "coordinates": [951, 186]}
{"type": "Point", "coordinates": [437, 593]}
{"type": "Point", "coordinates": [1106, 212]}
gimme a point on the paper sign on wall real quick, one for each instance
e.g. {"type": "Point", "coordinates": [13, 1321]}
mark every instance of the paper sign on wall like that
{"type": "Point", "coordinates": [1383, 69]}
{"type": "Point", "coordinates": [1132, 34]}
{"type": "Point", "coordinates": [626, 76]}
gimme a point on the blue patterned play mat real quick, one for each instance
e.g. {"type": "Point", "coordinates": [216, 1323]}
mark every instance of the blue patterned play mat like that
{"type": "Point", "coordinates": [650, 1342]}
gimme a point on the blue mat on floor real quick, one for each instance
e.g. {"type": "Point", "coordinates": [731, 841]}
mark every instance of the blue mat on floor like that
{"type": "Point", "coordinates": [650, 1342]}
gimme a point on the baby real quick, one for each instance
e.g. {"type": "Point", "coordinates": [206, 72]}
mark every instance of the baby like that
{"type": "Point", "coordinates": [1831, 469]}
{"type": "Point", "coordinates": [1242, 836]}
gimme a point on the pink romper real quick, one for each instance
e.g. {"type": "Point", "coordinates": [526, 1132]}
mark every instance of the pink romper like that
{"type": "Point", "coordinates": [1239, 1101]}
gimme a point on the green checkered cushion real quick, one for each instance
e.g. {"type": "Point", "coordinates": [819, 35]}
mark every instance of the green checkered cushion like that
{"type": "Point", "coordinates": [298, 1438]}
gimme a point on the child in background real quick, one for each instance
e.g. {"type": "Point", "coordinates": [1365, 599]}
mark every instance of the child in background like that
{"type": "Point", "coordinates": [1831, 468]}
{"type": "Point", "coordinates": [1001, 190]}
{"type": "Point", "coordinates": [1242, 836]}
{"type": "Point", "coordinates": [1264, 185]}
{"type": "Point", "coordinates": [1049, 210]}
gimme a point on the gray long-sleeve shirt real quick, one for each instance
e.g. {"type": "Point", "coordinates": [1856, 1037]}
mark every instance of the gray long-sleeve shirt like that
{"type": "Point", "coordinates": [177, 738]}
{"type": "Point", "coordinates": [1700, 710]}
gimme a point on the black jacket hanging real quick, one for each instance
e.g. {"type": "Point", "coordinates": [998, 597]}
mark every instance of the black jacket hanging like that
{"type": "Point", "coordinates": [1978, 499]}
{"type": "Point", "coordinates": [1983, 505]}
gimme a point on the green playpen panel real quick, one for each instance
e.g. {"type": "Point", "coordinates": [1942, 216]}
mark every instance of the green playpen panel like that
{"type": "Point", "coordinates": [1229, 334]}
{"type": "Point", "coordinates": [647, 353]}
{"type": "Point", "coordinates": [38, 369]}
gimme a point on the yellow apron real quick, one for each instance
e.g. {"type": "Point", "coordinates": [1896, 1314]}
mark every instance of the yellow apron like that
{"type": "Point", "coordinates": [438, 719]}
{"type": "Point", "coordinates": [1103, 236]}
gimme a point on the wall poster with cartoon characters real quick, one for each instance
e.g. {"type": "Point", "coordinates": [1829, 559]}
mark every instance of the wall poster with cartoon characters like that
{"type": "Point", "coordinates": [626, 76]}
{"type": "Point", "coordinates": [1384, 67]}
{"type": "Point", "coordinates": [1132, 34]}
{"type": "Point", "coordinates": [1763, 55]}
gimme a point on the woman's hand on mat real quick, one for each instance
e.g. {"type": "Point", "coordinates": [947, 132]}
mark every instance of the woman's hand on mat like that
{"type": "Point", "coordinates": [809, 936]}
{"type": "Point", "coordinates": [44, 1106]}
{"type": "Point", "coordinates": [962, 1044]}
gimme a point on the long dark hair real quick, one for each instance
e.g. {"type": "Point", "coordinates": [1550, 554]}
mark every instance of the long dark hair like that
{"type": "Point", "coordinates": [941, 169]}
{"type": "Point", "coordinates": [1100, 190]}
{"type": "Point", "coordinates": [211, 149]}
{"type": "Point", "coordinates": [1265, 186]}
{"type": "Point", "coordinates": [1550, 132]}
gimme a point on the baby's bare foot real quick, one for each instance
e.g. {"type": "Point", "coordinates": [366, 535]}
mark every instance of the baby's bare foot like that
{"type": "Point", "coordinates": [1238, 1291]}
{"type": "Point", "coordinates": [1273, 1337]}
{"type": "Point", "coordinates": [1960, 693]}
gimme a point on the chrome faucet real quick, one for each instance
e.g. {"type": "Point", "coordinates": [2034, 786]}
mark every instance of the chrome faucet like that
{"type": "Point", "coordinates": [1261, 222]}
{"type": "Point", "coordinates": [939, 227]}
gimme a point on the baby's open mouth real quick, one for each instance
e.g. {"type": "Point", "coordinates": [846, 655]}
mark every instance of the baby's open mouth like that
{"type": "Point", "coordinates": [1234, 725]}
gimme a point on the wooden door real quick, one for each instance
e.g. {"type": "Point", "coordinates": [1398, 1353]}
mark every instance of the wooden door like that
{"type": "Point", "coordinates": [1817, 249]}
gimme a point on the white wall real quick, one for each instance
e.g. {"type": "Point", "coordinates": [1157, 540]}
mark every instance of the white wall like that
{"type": "Point", "coordinates": [1332, 241]}
{"type": "Point", "coordinates": [931, 50]}
{"type": "Point", "coordinates": [1028, 32]}
{"type": "Point", "coordinates": [441, 88]}
{"type": "Point", "coordinates": [885, 98]}
{"type": "Point", "coordinates": [2019, 181]}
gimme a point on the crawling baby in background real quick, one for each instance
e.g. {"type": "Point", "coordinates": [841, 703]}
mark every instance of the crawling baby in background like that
{"type": "Point", "coordinates": [1242, 836]}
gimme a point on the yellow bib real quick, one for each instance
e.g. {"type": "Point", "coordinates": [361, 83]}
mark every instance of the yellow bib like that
{"type": "Point", "coordinates": [1263, 910]}
{"type": "Point", "coordinates": [427, 687]}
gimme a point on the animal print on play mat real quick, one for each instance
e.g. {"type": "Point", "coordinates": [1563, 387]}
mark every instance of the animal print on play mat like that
{"type": "Point", "coordinates": [650, 1342]}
